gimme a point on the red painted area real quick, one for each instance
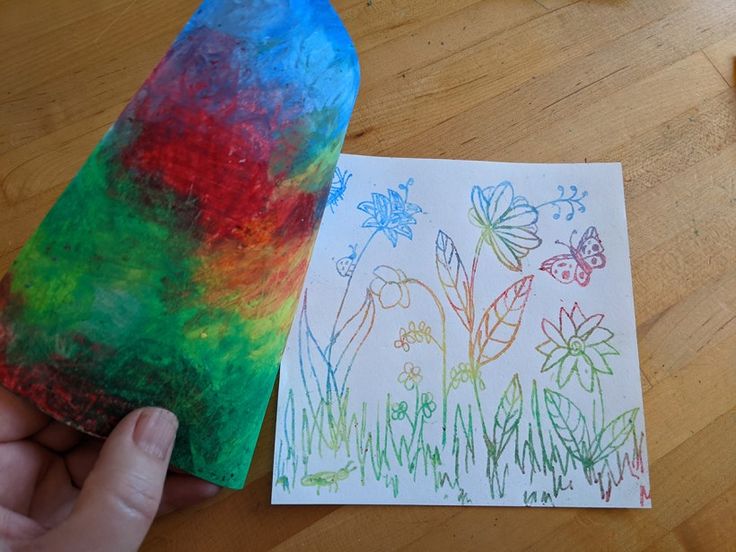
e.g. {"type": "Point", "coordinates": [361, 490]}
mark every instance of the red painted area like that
{"type": "Point", "coordinates": [64, 397]}
{"type": "Point", "coordinates": [54, 388]}
{"type": "Point", "coordinates": [215, 145]}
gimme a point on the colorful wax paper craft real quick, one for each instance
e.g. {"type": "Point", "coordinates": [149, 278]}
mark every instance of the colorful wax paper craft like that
{"type": "Point", "coordinates": [169, 270]}
{"type": "Point", "coordinates": [465, 335]}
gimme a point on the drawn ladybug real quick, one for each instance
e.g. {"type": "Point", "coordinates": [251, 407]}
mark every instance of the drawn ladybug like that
{"type": "Point", "coordinates": [346, 266]}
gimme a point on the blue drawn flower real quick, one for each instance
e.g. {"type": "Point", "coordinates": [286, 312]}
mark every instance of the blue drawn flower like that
{"type": "Point", "coordinates": [390, 286]}
{"type": "Point", "coordinates": [508, 223]}
{"type": "Point", "coordinates": [391, 214]}
{"type": "Point", "coordinates": [410, 376]}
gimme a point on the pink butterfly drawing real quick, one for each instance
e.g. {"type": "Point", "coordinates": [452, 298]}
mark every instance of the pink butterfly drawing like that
{"type": "Point", "coordinates": [578, 265]}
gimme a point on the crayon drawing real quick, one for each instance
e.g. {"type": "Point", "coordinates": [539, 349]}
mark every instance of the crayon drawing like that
{"type": "Point", "coordinates": [432, 362]}
{"type": "Point", "coordinates": [578, 265]}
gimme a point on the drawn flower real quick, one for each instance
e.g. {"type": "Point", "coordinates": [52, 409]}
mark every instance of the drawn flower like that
{"type": "Point", "coordinates": [391, 214]}
{"type": "Point", "coordinates": [390, 286]}
{"type": "Point", "coordinates": [579, 345]}
{"type": "Point", "coordinates": [414, 334]}
{"type": "Point", "coordinates": [460, 374]}
{"type": "Point", "coordinates": [428, 405]}
{"type": "Point", "coordinates": [508, 223]}
{"type": "Point", "coordinates": [410, 376]}
{"type": "Point", "coordinates": [398, 410]}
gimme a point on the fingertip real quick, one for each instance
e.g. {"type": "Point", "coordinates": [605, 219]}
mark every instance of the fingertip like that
{"type": "Point", "coordinates": [123, 491]}
{"type": "Point", "coordinates": [154, 432]}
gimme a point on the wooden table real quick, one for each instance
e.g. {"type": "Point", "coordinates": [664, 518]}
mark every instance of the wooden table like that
{"type": "Point", "coordinates": [646, 82]}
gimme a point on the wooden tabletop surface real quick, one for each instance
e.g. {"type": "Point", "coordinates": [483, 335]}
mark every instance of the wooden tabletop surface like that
{"type": "Point", "coordinates": [646, 82]}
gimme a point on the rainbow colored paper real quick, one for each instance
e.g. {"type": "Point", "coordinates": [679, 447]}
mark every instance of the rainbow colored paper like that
{"type": "Point", "coordinates": [169, 270]}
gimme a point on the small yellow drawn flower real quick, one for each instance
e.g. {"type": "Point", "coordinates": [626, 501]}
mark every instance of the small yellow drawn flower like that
{"type": "Point", "coordinates": [410, 376]}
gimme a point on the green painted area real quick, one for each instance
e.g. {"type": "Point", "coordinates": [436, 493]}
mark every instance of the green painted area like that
{"type": "Point", "coordinates": [124, 308]}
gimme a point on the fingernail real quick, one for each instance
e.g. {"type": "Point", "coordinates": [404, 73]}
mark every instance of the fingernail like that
{"type": "Point", "coordinates": [155, 432]}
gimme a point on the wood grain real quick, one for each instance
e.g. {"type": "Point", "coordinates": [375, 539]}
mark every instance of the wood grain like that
{"type": "Point", "coordinates": [650, 84]}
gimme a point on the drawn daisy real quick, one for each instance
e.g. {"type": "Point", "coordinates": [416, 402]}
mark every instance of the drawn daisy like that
{"type": "Point", "coordinates": [410, 376]}
{"type": "Point", "coordinates": [391, 214]}
{"type": "Point", "coordinates": [578, 345]}
{"type": "Point", "coordinates": [390, 286]}
{"type": "Point", "coordinates": [507, 221]}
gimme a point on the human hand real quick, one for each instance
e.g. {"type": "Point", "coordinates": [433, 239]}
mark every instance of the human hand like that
{"type": "Point", "coordinates": [61, 490]}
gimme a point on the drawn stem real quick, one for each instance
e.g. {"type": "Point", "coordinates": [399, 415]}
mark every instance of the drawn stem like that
{"type": "Point", "coordinates": [471, 301]}
{"type": "Point", "coordinates": [473, 271]}
{"type": "Point", "coordinates": [476, 392]}
{"type": "Point", "coordinates": [333, 334]}
{"type": "Point", "coordinates": [601, 421]}
{"type": "Point", "coordinates": [490, 446]}
{"type": "Point", "coordinates": [475, 370]}
{"type": "Point", "coordinates": [433, 340]}
{"type": "Point", "coordinates": [443, 348]}
{"type": "Point", "coordinates": [416, 417]}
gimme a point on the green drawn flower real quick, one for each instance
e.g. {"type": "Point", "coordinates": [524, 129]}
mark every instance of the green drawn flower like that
{"type": "Point", "coordinates": [410, 376]}
{"type": "Point", "coordinates": [578, 345]}
{"type": "Point", "coordinates": [398, 410]}
{"type": "Point", "coordinates": [390, 286]}
{"type": "Point", "coordinates": [428, 405]}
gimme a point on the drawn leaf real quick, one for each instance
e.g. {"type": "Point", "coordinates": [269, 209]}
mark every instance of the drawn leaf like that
{"type": "Point", "coordinates": [453, 276]}
{"type": "Point", "coordinates": [615, 434]}
{"type": "Point", "coordinates": [501, 321]}
{"type": "Point", "coordinates": [569, 423]}
{"type": "Point", "coordinates": [355, 331]}
{"type": "Point", "coordinates": [313, 364]}
{"type": "Point", "coordinates": [508, 415]}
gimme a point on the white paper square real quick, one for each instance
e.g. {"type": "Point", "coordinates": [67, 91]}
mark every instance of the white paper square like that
{"type": "Point", "coordinates": [361, 410]}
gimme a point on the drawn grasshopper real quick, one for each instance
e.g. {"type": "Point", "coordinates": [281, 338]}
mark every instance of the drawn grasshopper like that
{"type": "Point", "coordinates": [328, 479]}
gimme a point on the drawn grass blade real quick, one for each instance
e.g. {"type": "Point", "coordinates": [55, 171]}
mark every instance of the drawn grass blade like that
{"type": "Point", "coordinates": [501, 321]}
